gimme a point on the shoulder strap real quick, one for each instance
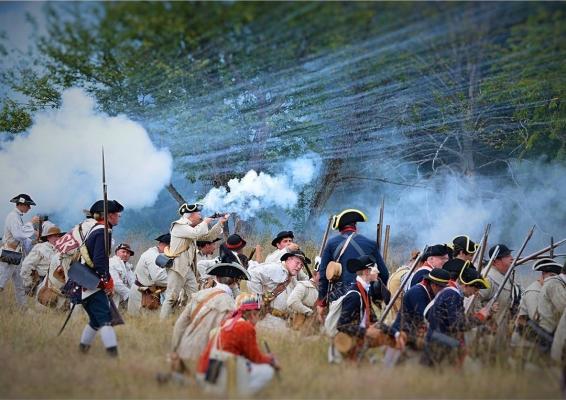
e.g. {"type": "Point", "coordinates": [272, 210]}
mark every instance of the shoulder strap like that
{"type": "Point", "coordinates": [357, 247]}
{"type": "Point", "coordinates": [342, 247]}
{"type": "Point", "coordinates": [204, 301]}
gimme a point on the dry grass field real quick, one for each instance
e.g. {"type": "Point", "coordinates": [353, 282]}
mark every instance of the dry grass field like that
{"type": "Point", "coordinates": [38, 364]}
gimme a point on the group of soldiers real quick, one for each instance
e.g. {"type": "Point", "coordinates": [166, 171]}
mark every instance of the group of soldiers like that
{"type": "Point", "coordinates": [436, 310]}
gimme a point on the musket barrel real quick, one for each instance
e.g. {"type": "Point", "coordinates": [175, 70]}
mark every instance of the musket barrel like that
{"type": "Point", "coordinates": [481, 251]}
{"type": "Point", "coordinates": [538, 253]}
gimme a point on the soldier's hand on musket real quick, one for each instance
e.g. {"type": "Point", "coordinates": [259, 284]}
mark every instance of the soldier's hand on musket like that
{"type": "Point", "coordinates": [317, 260]}
{"type": "Point", "coordinates": [224, 218]}
{"type": "Point", "coordinates": [400, 340]}
{"type": "Point", "coordinates": [293, 246]}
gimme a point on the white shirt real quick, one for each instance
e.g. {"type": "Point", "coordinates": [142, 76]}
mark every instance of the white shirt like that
{"type": "Point", "coordinates": [17, 234]}
{"type": "Point", "coordinates": [147, 272]}
{"type": "Point", "coordinates": [123, 278]}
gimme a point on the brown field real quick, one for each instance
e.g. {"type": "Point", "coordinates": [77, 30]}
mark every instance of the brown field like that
{"type": "Point", "coordinates": [38, 364]}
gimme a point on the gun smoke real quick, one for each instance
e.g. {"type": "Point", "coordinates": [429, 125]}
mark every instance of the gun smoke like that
{"type": "Point", "coordinates": [58, 162]}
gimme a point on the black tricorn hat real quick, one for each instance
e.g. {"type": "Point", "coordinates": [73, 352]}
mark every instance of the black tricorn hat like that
{"type": "Point", "coordinates": [113, 207]}
{"type": "Point", "coordinates": [165, 238]}
{"type": "Point", "coordinates": [504, 251]}
{"type": "Point", "coordinates": [547, 265]}
{"type": "Point", "coordinates": [469, 276]}
{"type": "Point", "coordinates": [282, 235]}
{"type": "Point", "coordinates": [23, 199]}
{"type": "Point", "coordinates": [360, 263]}
{"type": "Point", "coordinates": [438, 276]}
{"type": "Point", "coordinates": [202, 243]}
{"type": "Point", "coordinates": [235, 242]}
{"type": "Point", "coordinates": [436, 250]}
{"type": "Point", "coordinates": [296, 253]}
{"type": "Point", "coordinates": [455, 266]}
{"type": "Point", "coordinates": [230, 270]}
{"type": "Point", "coordinates": [464, 243]}
{"type": "Point", "coordinates": [189, 208]}
{"type": "Point", "coordinates": [124, 246]}
{"type": "Point", "coordinates": [348, 217]}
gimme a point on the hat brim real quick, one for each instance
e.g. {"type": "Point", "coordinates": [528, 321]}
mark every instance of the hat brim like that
{"type": "Point", "coordinates": [436, 281]}
{"type": "Point", "coordinates": [236, 247]}
{"type": "Point", "coordinates": [305, 259]}
{"type": "Point", "coordinates": [230, 270]}
{"type": "Point", "coordinates": [44, 237]}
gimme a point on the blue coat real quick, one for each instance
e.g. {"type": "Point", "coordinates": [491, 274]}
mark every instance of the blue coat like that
{"type": "Point", "coordinates": [95, 245]}
{"type": "Point", "coordinates": [447, 313]}
{"type": "Point", "coordinates": [353, 309]}
{"type": "Point", "coordinates": [369, 247]}
{"type": "Point", "coordinates": [411, 316]}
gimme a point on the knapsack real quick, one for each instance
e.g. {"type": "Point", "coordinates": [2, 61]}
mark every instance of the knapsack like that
{"type": "Point", "coordinates": [334, 311]}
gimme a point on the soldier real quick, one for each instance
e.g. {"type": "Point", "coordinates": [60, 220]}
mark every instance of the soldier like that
{"type": "Point", "coordinates": [96, 301]}
{"type": "Point", "coordinates": [236, 341]}
{"type": "Point", "coordinates": [552, 302]}
{"type": "Point", "coordinates": [410, 326]}
{"type": "Point", "coordinates": [275, 282]}
{"type": "Point", "coordinates": [301, 302]}
{"type": "Point", "coordinates": [122, 273]}
{"type": "Point", "coordinates": [463, 248]}
{"type": "Point", "coordinates": [184, 234]}
{"type": "Point", "coordinates": [447, 319]}
{"type": "Point", "coordinates": [205, 311]}
{"type": "Point", "coordinates": [17, 239]}
{"type": "Point", "coordinates": [283, 243]}
{"type": "Point", "coordinates": [510, 296]}
{"type": "Point", "coordinates": [149, 278]}
{"type": "Point", "coordinates": [529, 300]}
{"type": "Point", "coordinates": [344, 247]}
{"type": "Point", "coordinates": [206, 258]}
{"type": "Point", "coordinates": [231, 250]}
{"type": "Point", "coordinates": [36, 264]}
{"type": "Point", "coordinates": [435, 257]}
{"type": "Point", "coordinates": [395, 281]}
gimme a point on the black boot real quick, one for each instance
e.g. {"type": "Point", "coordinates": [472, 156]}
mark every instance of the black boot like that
{"type": "Point", "coordinates": [84, 348]}
{"type": "Point", "coordinates": [112, 351]}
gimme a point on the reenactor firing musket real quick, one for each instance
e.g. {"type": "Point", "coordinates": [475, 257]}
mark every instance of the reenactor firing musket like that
{"type": "Point", "coordinates": [510, 270]}
{"type": "Point", "coordinates": [538, 253]}
{"type": "Point", "coordinates": [487, 269]}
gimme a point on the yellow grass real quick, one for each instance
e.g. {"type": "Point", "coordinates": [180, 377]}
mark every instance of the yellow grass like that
{"type": "Point", "coordinates": [37, 364]}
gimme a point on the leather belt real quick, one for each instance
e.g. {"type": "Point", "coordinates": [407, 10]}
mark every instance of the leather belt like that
{"type": "Point", "coordinates": [278, 313]}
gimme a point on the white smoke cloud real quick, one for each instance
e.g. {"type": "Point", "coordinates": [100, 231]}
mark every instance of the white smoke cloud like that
{"type": "Point", "coordinates": [255, 192]}
{"type": "Point", "coordinates": [58, 162]}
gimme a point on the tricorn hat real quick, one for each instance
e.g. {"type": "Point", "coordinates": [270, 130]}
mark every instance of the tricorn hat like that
{"type": "Point", "coordinates": [113, 207]}
{"type": "Point", "coordinates": [504, 251]}
{"type": "Point", "coordinates": [348, 217]}
{"type": "Point", "coordinates": [231, 270]}
{"type": "Point", "coordinates": [124, 246]}
{"type": "Point", "coordinates": [436, 250]}
{"type": "Point", "coordinates": [282, 235]}
{"type": "Point", "coordinates": [165, 238]}
{"type": "Point", "coordinates": [469, 276]}
{"type": "Point", "coordinates": [235, 242]}
{"type": "Point", "coordinates": [360, 263]}
{"type": "Point", "coordinates": [23, 199]}
{"type": "Point", "coordinates": [296, 253]}
{"type": "Point", "coordinates": [455, 266]}
{"type": "Point", "coordinates": [547, 265]}
{"type": "Point", "coordinates": [464, 243]}
{"type": "Point", "coordinates": [438, 276]}
{"type": "Point", "coordinates": [189, 208]}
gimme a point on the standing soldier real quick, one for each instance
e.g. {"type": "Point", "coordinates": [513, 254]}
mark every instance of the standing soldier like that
{"type": "Point", "coordinates": [17, 238]}
{"type": "Point", "coordinates": [510, 296]}
{"type": "Point", "coordinates": [552, 302]}
{"type": "Point", "coordinates": [122, 273]}
{"type": "Point", "coordinates": [96, 301]}
{"type": "Point", "coordinates": [36, 264]}
{"type": "Point", "coordinates": [342, 248]}
{"type": "Point", "coordinates": [184, 233]}
{"type": "Point", "coordinates": [149, 278]}
{"type": "Point", "coordinates": [283, 243]}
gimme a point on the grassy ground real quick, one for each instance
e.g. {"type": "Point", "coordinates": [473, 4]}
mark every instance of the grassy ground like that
{"type": "Point", "coordinates": [38, 364]}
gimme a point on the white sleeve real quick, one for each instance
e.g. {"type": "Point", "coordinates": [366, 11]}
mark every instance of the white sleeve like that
{"type": "Point", "coordinates": [157, 274]}
{"type": "Point", "coordinates": [119, 286]}
{"type": "Point", "coordinates": [29, 264]}
{"type": "Point", "coordinates": [20, 232]}
{"type": "Point", "coordinates": [188, 232]}
{"type": "Point", "coordinates": [255, 284]}
{"type": "Point", "coordinates": [295, 300]}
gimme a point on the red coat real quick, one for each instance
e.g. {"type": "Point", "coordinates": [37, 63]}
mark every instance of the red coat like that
{"type": "Point", "coordinates": [240, 340]}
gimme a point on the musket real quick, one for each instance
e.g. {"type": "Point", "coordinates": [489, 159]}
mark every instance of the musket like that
{"type": "Point", "coordinates": [380, 225]}
{"type": "Point", "coordinates": [476, 254]}
{"type": "Point", "coordinates": [105, 202]}
{"type": "Point", "coordinates": [392, 301]}
{"type": "Point", "coordinates": [66, 320]}
{"type": "Point", "coordinates": [510, 270]}
{"type": "Point", "coordinates": [386, 243]}
{"type": "Point", "coordinates": [538, 253]}
{"type": "Point", "coordinates": [324, 240]}
{"type": "Point", "coordinates": [483, 245]}
{"type": "Point", "coordinates": [487, 269]}
{"type": "Point", "coordinates": [551, 252]}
